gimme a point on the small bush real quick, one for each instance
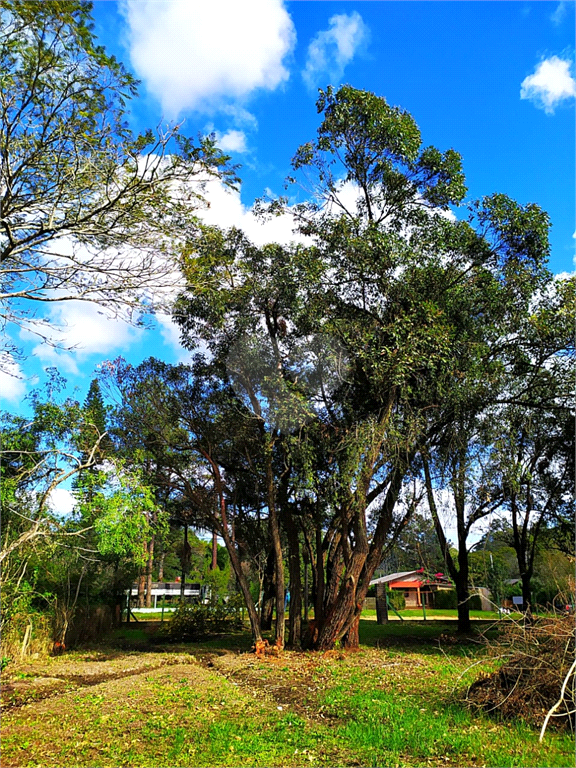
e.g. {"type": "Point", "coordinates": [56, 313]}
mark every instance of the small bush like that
{"type": "Point", "coordinates": [27, 634]}
{"type": "Point", "coordinates": [396, 599]}
{"type": "Point", "coordinates": [475, 603]}
{"type": "Point", "coordinates": [195, 621]}
{"type": "Point", "coordinates": [446, 599]}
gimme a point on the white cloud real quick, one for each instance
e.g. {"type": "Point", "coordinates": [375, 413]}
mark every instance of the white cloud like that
{"type": "Point", "coordinates": [12, 384]}
{"type": "Point", "coordinates": [62, 501]}
{"type": "Point", "coordinates": [204, 55]}
{"type": "Point", "coordinates": [332, 49]}
{"type": "Point", "coordinates": [231, 141]}
{"type": "Point", "coordinates": [83, 329]}
{"type": "Point", "coordinates": [550, 84]}
{"type": "Point", "coordinates": [227, 210]}
{"type": "Point", "coordinates": [560, 12]}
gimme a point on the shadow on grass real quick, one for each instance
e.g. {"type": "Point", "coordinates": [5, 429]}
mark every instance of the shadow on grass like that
{"type": "Point", "coordinates": [425, 636]}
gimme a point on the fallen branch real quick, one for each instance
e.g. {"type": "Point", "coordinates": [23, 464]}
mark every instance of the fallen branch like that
{"type": "Point", "coordinates": [559, 702]}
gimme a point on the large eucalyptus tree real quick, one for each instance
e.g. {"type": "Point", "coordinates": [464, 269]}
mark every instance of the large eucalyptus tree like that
{"type": "Point", "coordinates": [423, 304]}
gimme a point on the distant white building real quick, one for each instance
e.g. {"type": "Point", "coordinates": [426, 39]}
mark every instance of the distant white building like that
{"type": "Point", "coordinates": [171, 592]}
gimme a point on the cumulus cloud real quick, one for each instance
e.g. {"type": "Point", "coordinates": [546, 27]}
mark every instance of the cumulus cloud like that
{"type": "Point", "coordinates": [231, 141]}
{"type": "Point", "coordinates": [226, 209]}
{"type": "Point", "coordinates": [550, 84]}
{"type": "Point", "coordinates": [83, 329]}
{"type": "Point", "coordinates": [12, 384]}
{"type": "Point", "coordinates": [202, 56]}
{"type": "Point", "coordinates": [333, 48]}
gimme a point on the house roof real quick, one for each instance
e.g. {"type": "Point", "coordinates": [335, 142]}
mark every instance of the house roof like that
{"type": "Point", "coordinates": [400, 576]}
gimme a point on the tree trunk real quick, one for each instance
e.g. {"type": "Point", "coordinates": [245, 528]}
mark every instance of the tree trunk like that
{"type": "Point", "coordinates": [351, 639]}
{"type": "Point", "coordinates": [334, 571]}
{"type": "Point", "coordinates": [161, 566]}
{"type": "Point", "coordinates": [268, 596]}
{"type": "Point", "coordinates": [149, 565]}
{"type": "Point", "coordinates": [239, 572]}
{"type": "Point", "coordinates": [521, 545]}
{"type": "Point", "coordinates": [458, 575]}
{"type": "Point", "coordinates": [526, 577]}
{"type": "Point", "coordinates": [295, 614]}
{"type": "Point", "coordinates": [233, 552]}
{"type": "Point", "coordinates": [305, 553]}
{"type": "Point", "coordinates": [277, 548]}
{"type": "Point", "coordinates": [142, 584]}
{"type": "Point", "coordinates": [341, 614]}
{"type": "Point", "coordinates": [319, 576]}
{"type": "Point", "coordinates": [462, 591]}
{"type": "Point", "coordinates": [462, 594]}
{"type": "Point", "coordinates": [214, 563]}
{"type": "Point", "coordinates": [342, 619]}
{"type": "Point", "coordinates": [185, 560]}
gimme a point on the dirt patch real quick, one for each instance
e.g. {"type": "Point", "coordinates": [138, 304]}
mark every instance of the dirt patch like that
{"type": "Point", "coordinates": [292, 680]}
{"type": "Point", "coordinates": [37, 680]}
{"type": "Point", "coordinates": [298, 681]}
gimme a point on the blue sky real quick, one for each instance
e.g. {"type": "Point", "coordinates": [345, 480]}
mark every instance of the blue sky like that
{"type": "Point", "coordinates": [493, 80]}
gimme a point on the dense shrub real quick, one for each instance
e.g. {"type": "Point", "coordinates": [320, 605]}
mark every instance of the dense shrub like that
{"type": "Point", "coordinates": [396, 599]}
{"type": "Point", "coordinates": [26, 634]}
{"type": "Point", "coordinates": [195, 621]}
{"type": "Point", "coordinates": [475, 603]}
{"type": "Point", "coordinates": [446, 599]}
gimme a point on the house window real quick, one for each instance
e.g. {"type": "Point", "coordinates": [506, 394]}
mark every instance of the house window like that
{"type": "Point", "coordinates": [406, 594]}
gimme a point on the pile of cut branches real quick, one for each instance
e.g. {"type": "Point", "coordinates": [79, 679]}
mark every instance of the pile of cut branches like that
{"type": "Point", "coordinates": [536, 680]}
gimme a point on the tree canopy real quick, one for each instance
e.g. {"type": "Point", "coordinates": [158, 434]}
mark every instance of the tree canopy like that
{"type": "Point", "coordinates": [342, 388]}
{"type": "Point", "coordinates": [87, 209]}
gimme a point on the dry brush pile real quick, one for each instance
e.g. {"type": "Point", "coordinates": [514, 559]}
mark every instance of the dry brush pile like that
{"type": "Point", "coordinates": [536, 681]}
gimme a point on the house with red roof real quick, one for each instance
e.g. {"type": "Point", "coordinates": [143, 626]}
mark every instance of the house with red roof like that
{"type": "Point", "coordinates": [418, 587]}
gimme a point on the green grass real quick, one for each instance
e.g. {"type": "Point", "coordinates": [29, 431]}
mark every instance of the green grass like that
{"type": "Point", "coordinates": [155, 616]}
{"type": "Point", "coordinates": [443, 613]}
{"type": "Point", "coordinates": [396, 702]}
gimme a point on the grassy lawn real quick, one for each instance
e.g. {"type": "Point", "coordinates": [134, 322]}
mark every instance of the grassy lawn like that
{"type": "Point", "coordinates": [396, 702]}
{"type": "Point", "coordinates": [407, 613]}
{"type": "Point", "coordinates": [441, 613]}
{"type": "Point", "coordinates": [153, 616]}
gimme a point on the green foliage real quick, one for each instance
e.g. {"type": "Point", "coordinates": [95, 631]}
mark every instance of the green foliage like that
{"type": "Point", "coordinates": [445, 598]}
{"type": "Point", "coordinates": [72, 167]}
{"type": "Point", "coordinates": [378, 146]}
{"type": "Point", "coordinates": [396, 599]}
{"type": "Point", "coordinates": [475, 603]}
{"type": "Point", "coordinates": [196, 621]}
{"type": "Point", "coordinates": [416, 547]}
{"type": "Point", "coordinates": [218, 580]}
